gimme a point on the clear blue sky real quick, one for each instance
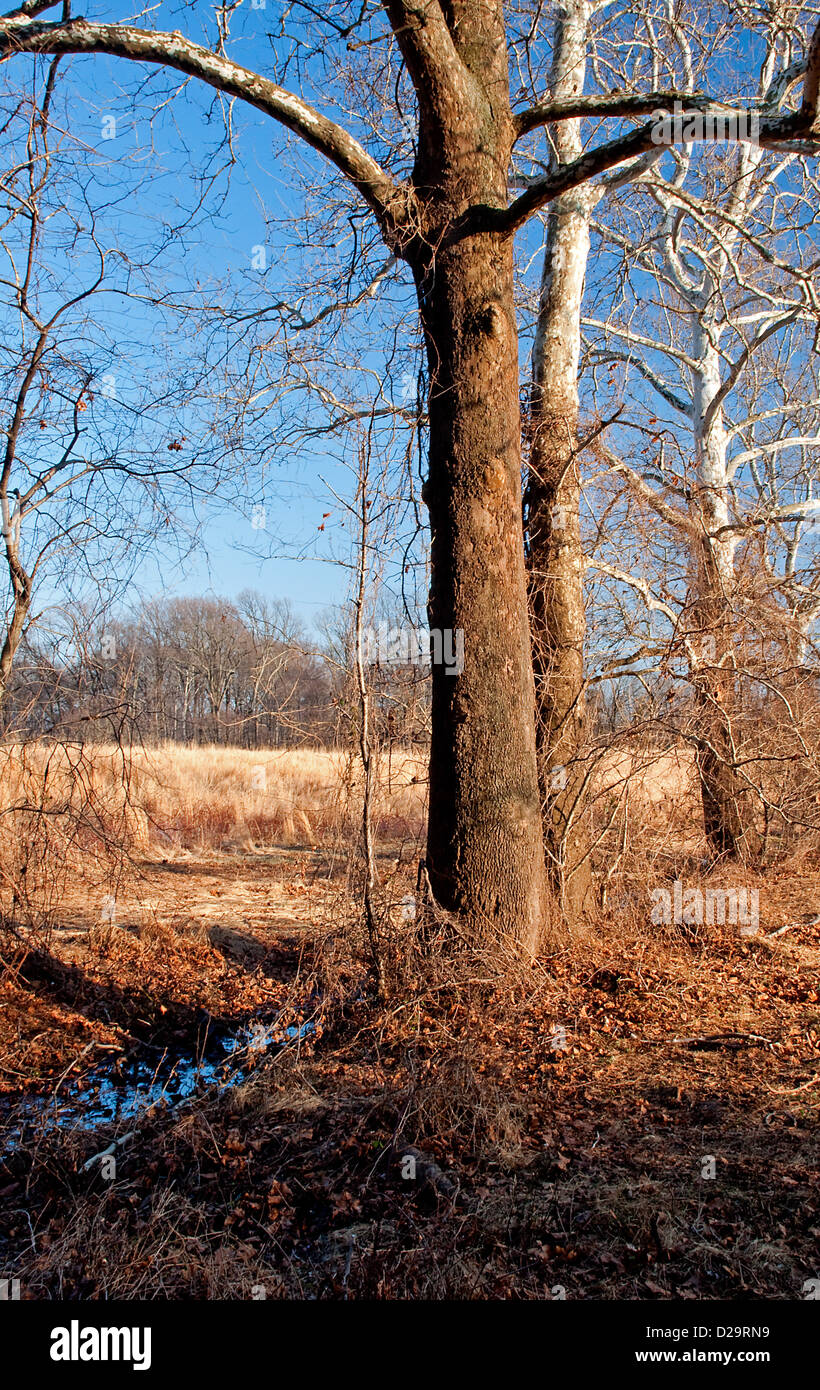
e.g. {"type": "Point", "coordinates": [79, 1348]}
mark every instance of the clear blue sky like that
{"type": "Point", "coordinates": [291, 556]}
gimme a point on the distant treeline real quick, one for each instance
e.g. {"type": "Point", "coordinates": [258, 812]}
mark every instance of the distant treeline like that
{"type": "Point", "coordinates": [245, 672]}
{"type": "Point", "coordinates": [240, 672]}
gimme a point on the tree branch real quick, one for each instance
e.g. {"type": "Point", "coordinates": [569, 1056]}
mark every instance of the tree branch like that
{"type": "Point", "coordinates": [775, 133]}
{"type": "Point", "coordinates": [782, 321]}
{"type": "Point", "coordinates": [30, 8]}
{"type": "Point", "coordinates": [673, 516]}
{"type": "Point", "coordinates": [427, 47]}
{"type": "Point", "coordinates": [811, 84]}
{"type": "Point", "coordinates": [633, 581]}
{"type": "Point", "coordinates": [613, 104]}
{"type": "Point", "coordinates": [614, 355]}
{"type": "Point", "coordinates": [383, 196]}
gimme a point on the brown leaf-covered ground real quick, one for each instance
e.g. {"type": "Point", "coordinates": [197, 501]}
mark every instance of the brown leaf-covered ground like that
{"type": "Point", "coordinates": [548, 1132]}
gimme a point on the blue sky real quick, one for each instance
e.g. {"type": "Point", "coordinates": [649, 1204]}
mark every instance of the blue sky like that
{"type": "Point", "coordinates": [230, 558]}
{"type": "Point", "coordinates": [248, 206]}
{"type": "Point", "coordinates": [292, 555]}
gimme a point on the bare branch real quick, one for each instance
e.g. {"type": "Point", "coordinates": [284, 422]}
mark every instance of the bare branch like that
{"type": "Point", "coordinates": [614, 104]}
{"type": "Point", "coordinates": [22, 35]}
{"type": "Point", "coordinates": [672, 515]}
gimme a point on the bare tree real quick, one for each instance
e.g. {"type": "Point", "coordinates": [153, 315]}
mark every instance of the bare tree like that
{"type": "Point", "coordinates": [453, 223]}
{"type": "Point", "coordinates": [552, 496]}
{"type": "Point", "coordinates": [716, 317]}
{"type": "Point", "coordinates": [553, 485]}
{"type": "Point", "coordinates": [91, 464]}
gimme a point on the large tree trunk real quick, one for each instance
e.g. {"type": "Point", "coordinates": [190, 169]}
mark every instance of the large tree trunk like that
{"type": "Point", "coordinates": [556, 564]}
{"type": "Point", "coordinates": [727, 803]}
{"type": "Point", "coordinates": [485, 855]}
{"type": "Point", "coordinates": [556, 570]}
{"type": "Point", "coordinates": [726, 797]}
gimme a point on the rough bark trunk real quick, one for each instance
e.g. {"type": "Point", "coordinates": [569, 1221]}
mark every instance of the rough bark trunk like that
{"type": "Point", "coordinates": [726, 798]}
{"type": "Point", "coordinates": [556, 564]}
{"type": "Point", "coordinates": [485, 845]}
{"type": "Point", "coordinates": [555, 561]}
{"type": "Point", "coordinates": [485, 854]}
{"type": "Point", "coordinates": [21, 590]}
{"type": "Point", "coordinates": [727, 806]}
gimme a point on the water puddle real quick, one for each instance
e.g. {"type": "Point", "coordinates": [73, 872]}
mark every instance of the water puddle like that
{"type": "Point", "coordinates": [115, 1092]}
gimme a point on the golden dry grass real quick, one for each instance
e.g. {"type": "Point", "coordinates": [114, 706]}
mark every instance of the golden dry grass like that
{"type": "Point", "coordinates": [238, 798]}
{"type": "Point", "coordinates": [654, 778]}
{"type": "Point", "coordinates": [182, 797]}
{"type": "Point", "coordinates": [179, 796]}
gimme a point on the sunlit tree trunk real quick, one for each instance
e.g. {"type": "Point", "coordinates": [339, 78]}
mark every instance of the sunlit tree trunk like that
{"type": "Point", "coordinates": [485, 852]}
{"type": "Point", "coordinates": [727, 804]}
{"type": "Point", "coordinates": [20, 582]}
{"type": "Point", "coordinates": [555, 560]}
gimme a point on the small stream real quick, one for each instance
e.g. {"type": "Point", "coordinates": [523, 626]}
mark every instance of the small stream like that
{"type": "Point", "coordinates": [116, 1091]}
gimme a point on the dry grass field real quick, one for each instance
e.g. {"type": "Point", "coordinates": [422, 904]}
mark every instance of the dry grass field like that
{"type": "Point", "coordinates": [210, 797]}
{"type": "Point", "coordinates": [185, 977]}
